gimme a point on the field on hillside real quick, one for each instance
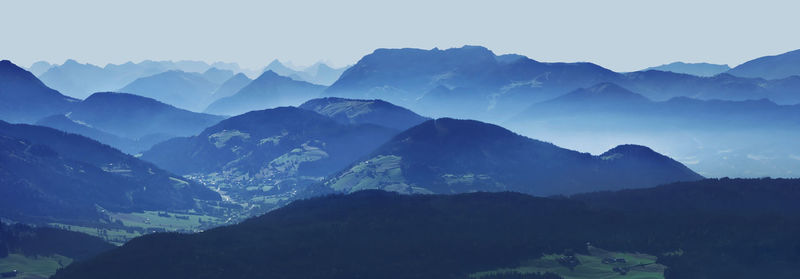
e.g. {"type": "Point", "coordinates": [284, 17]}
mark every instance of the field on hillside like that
{"type": "Point", "coordinates": [33, 267]}
{"type": "Point", "coordinates": [635, 266]}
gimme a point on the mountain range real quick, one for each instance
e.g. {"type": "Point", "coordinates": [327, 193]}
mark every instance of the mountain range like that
{"type": "Point", "coordinates": [268, 154]}
{"type": "Point", "coordinates": [269, 90]}
{"type": "Point", "coordinates": [716, 137]}
{"type": "Point", "coordinates": [81, 80]}
{"type": "Point", "coordinates": [446, 156]}
{"type": "Point", "coordinates": [137, 122]}
{"type": "Point", "coordinates": [319, 73]}
{"type": "Point", "coordinates": [472, 82]}
{"type": "Point", "coordinates": [49, 175]}
{"type": "Point", "coordinates": [189, 91]}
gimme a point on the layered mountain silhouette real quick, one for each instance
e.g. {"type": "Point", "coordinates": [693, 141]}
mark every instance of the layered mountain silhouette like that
{"type": "Point", "coordinates": [217, 76]}
{"type": "Point", "coordinates": [137, 122]}
{"type": "Point", "coordinates": [718, 137]}
{"type": "Point", "coordinates": [81, 80]}
{"type": "Point", "coordinates": [190, 91]}
{"type": "Point", "coordinates": [378, 112]}
{"type": "Point", "coordinates": [231, 86]}
{"type": "Point", "coordinates": [269, 90]}
{"type": "Point", "coordinates": [25, 99]}
{"type": "Point", "coordinates": [52, 175]}
{"type": "Point", "coordinates": [319, 73]}
{"type": "Point", "coordinates": [375, 234]}
{"type": "Point", "coordinates": [770, 67]}
{"type": "Point", "coordinates": [695, 69]}
{"type": "Point", "coordinates": [472, 82]}
{"type": "Point", "coordinates": [274, 145]}
{"type": "Point", "coordinates": [127, 145]}
{"type": "Point", "coordinates": [40, 67]}
{"type": "Point", "coordinates": [457, 156]}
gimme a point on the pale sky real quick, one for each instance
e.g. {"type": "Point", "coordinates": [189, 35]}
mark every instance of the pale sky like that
{"type": "Point", "coordinates": [623, 35]}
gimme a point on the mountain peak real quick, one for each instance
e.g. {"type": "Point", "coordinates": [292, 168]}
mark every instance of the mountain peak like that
{"type": "Point", "coordinates": [630, 150]}
{"type": "Point", "coordinates": [7, 67]}
{"type": "Point", "coordinates": [602, 92]}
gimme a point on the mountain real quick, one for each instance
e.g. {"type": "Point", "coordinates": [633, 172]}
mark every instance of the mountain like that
{"type": "Point", "coordinates": [190, 91]}
{"type": "Point", "coordinates": [78, 80]}
{"type": "Point", "coordinates": [231, 86]}
{"type": "Point", "coordinates": [267, 91]}
{"type": "Point", "coordinates": [217, 76]}
{"type": "Point", "coordinates": [770, 67]}
{"type": "Point", "coordinates": [378, 112]}
{"type": "Point", "coordinates": [472, 82]}
{"type": "Point", "coordinates": [53, 176]}
{"type": "Point", "coordinates": [276, 151]}
{"type": "Point", "coordinates": [81, 80]}
{"type": "Point", "coordinates": [40, 67]}
{"type": "Point", "coordinates": [64, 123]}
{"type": "Point", "coordinates": [277, 67]}
{"type": "Point", "coordinates": [137, 122]}
{"type": "Point", "coordinates": [23, 98]}
{"type": "Point", "coordinates": [374, 234]}
{"type": "Point", "coordinates": [695, 69]}
{"type": "Point", "coordinates": [446, 156]}
{"type": "Point", "coordinates": [718, 138]}
{"type": "Point", "coordinates": [319, 73]}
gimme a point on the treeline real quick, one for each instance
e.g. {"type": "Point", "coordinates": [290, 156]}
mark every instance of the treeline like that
{"type": "Point", "coordinates": [42, 241]}
{"type": "Point", "coordinates": [374, 234]}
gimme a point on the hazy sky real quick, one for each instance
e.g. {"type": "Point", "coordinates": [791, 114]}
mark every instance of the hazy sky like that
{"type": "Point", "coordinates": [621, 35]}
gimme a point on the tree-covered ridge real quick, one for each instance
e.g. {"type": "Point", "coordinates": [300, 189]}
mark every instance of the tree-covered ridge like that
{"type": "Point", "coordinates": [375, 234]}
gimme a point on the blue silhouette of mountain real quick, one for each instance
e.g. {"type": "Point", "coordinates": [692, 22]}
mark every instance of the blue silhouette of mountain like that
{"type": "Point", "coordinates": [190, 91]}
{"type": "Point", "coordinates": [217, 76]}
{"type": "Point", "coordinates": [231, 86]}
{"type": "Point", "coordinates": [695, 69]}
{"type": "Point", "coordinates": [25, 99]}
{"type": "Point", "coordinates": [269, 90]}
{"type": "Point", "coordinates": [472, 82]}
{"type": "Point", "coordinates": [378, 112]}
{"type": "Point", "coordinates": [457, 156]}
{"type": "Point", "coordinates": [40, 67]}
{"type": "Point", "coordinates": [135, 123]}
{"type": "Point", "coordinates": [280, 143]}
{"type": "Point", "coordinates": [770, 67]}
{"type": "Point", "coordinates": [319, 73]}
{"type": "Point", "coordinates": [55, 176]}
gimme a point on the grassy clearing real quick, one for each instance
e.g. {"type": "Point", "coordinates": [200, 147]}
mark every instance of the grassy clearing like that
{"type": "Point", "coordinates": [33, 267]}
{"type": "Point", "coordinates": [165, 220]}
{"type": "Point", "coordinates": [641, 266]}
{"type": "Point", "coordinates": [114, 236]}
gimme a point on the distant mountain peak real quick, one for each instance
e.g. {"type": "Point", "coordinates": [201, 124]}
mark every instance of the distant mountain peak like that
{"type": "Point", "coordinates": [630, 150]}
{"type": "Point", "coordinates": [697, 69]}
{"type": "Point", "coordinates": [605, 91]}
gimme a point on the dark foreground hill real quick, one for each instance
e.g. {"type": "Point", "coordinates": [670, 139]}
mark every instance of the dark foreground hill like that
{"type": "Point", "coordinates": [42, 241]}
{"type": "Point", "coordinates": [446, 156]}
{"type": "Point", "coordinates": [375, 234]}
{"type": "Point", "coordinates": [49, 175]}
